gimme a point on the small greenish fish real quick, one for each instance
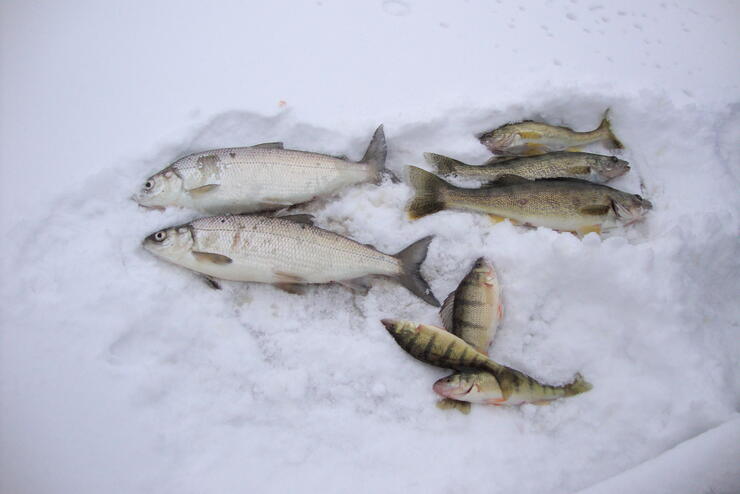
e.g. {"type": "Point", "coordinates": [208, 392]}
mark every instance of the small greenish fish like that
{"type": "Point", "coordinates": [474, 310]}
{"type": "Point", "coordinates": [436, 346]}
{"type": "Point", "coordinates": [485, 388]}
{"type": "Point", "coordinates": [559, 203]}
{"type": "Point", "coordinates": [258, 178]}
{"type": "Point", "coordinates": [529, 138]}
{"type": "Point", "coordinates": [288, 252]}
{"type": "Point", "coordinates": [560, 164]}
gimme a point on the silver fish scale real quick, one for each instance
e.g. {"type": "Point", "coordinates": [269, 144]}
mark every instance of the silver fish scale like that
{"type": "Point", "coordinates": [269, 248]}
{"type": "Point", "coordinates": [273, 173]}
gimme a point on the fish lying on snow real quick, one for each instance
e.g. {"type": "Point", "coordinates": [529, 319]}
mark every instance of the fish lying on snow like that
{"type": "Point", "coordinates": [560, 164]}
{"type": "Point", "coordinates": [286, 251]}
{"type": "Point", "coordinates": [496, 384]}
{"type": "Point", "coordinates": [529, 137]}
{"type": "Point", "coordinates": [560, 203]}
{"type": "Point", "coordinates": [256, 178]}
{"type": "Point", "coordinates": [473, 312]}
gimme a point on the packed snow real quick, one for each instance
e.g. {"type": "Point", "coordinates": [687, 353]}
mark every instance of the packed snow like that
{"type": "Point", "coordinates": [122, 373]}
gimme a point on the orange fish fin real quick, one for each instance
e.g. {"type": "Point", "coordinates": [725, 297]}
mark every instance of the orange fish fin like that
{"type": "Point", "coordinates": [583, 231]}
{"type": "Point", "coordinates": [496, 218]}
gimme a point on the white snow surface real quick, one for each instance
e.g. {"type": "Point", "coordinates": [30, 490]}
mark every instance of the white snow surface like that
{"type": "Point", "coordinates": [121, 373]}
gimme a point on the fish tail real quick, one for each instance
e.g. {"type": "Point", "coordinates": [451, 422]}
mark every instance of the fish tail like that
{"type": "Point", "coordinates": [444, 165]}
{"type": "Point", "coordinates": [428, 188]}
{"type": "Point", "coordinates": [411, 258]}
{"type": "Point", "coordinates": [376, 154]}
{"type": "Point", "coordinates": [611, 142]}
{"type": "Point", "coordinates": [578, 386]}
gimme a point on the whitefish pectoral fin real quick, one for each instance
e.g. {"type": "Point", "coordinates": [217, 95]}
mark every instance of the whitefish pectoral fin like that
{"type": "Point", "coordinates": [203, 190]}
{"type": "Point", "coordinates": [212, 258]}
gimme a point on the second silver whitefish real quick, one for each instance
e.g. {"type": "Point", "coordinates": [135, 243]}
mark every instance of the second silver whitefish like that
{"type": "Point", "coordinates": [258, 178]}
{"type": "Point", "coordinates": [286, 251]}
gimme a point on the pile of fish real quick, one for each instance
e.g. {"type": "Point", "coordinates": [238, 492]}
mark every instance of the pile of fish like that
{"type": "Point", "coordinates": [537, 182]}
{"type": "Point", "coordinates": [540, 178]}
{"type": "Point", "coordinates": [470, 316]}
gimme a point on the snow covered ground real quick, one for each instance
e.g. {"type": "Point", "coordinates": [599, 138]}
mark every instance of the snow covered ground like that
{"type": "Point", "coordinates": [120, 373]}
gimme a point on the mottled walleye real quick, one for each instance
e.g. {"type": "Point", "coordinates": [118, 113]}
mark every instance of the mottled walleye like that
{"type": "Point", "coordinates": [561, 164]}
{"type": "Point", "coordinates": [441, 348]}
{"type": "Point", "coordinates": [257, 178]}
{"type": "Point", "coordinates": [286, 251]}
{"type": "Point", "coordinates": [529, 137]}
{"type": "Point", "coordinates": [563, 204]}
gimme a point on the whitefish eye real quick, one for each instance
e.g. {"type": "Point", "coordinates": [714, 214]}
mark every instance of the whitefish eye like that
{"type": "Point", "coordinates": [159, 236]}
{"type": "Point", "coordinates": [148, 185]}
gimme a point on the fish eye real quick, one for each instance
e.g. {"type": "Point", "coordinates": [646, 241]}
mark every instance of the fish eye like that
{"type": "Point", "coordinates": [159, 236]}
{"type": "Point", "coordinates": [148, 185]}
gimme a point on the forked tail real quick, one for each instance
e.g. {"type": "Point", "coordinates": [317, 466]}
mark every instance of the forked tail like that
{"type": "Point", "coordinates": [578, 386]}
{"type": "Point", "coordinates": [376, 154]}
{"type": "Point", "coordinates": [429, 190]}
{"type": "Point", "coordinates": [411, 258]}
{"type": "Point", "coordinates": [611, 140]}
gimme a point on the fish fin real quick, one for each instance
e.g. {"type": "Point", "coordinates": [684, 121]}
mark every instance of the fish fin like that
{"type": "Point", "coordinates": [574, 149]}
{"type": "Point", "coordinates": [611, 142]}
{"type": "Point", "coordinates": [294, 288]}
{"type": "Point", "coordinates": [358, 285]}
{"type": "Point", "coordinates": [583, 231]}
{"type": "Point", "coordinates": [375, 156]}
{"type": "Point", "coordinates": [497, 401]}
{"type": "Point", "coordinates": [578, 386]}
{"type": "Point", "coordinates": [446, 312]}
{"type": "Point", "coordinates": [580, 170]}
{"type": "Point", "coordinates": [289, 283]}
{"type": "Point", "coordinates": [303, 219]}
{"type": "Point", "coordinates": [287, 278]}
{"type": "Point", "coordinates": [202, 190]}
{"type": "Point", "coordinates": [596, 210]}
{"type": "Point", "coordinates": [428, 189]}
{"type": "Point", "coordinates": [508, 179]}
{"type": "Point", "coordinates": [450, 404]}
{"type": "Point", "coordinates": [443, 164]}
{"type": "Point", "coordinates": [541, 402]}
{"type": "Point", "coordinates": [496, 218]}
{"type": "Point", "coordinates": [530, 134]}
{"type": "Point", "coordinates": [212, 282]}
{"type": "Point", "coordinates": [268, 145]}
{"type": "Point", "coordinates": [212, 258]}
{"type": "Point", "coordinates": [532, 149]}
{"type": "Point", "coordinates": [411, 258]}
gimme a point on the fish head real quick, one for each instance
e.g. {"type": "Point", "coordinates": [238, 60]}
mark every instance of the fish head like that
{"type": "Point", "coordinates": [498, 141]}
{"type": "Point", "coordinates": [160, 190]}
{"type": "Point", "coordinates": [171, 243]}
{"type": "Point", "coordinates": [609, 167]}
{"type": "Point", "coordinates": [631, 208]}
{"type": "Point", "coordinates": [456, 386]}
{"type": "Point", "coordinates": [484, 272]}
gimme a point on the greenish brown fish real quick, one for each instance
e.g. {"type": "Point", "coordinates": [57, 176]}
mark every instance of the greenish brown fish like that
{"type": "Point", "coordinates": [560, 203]}
{"type": "Point", "coordinates": [561, 164]}
{"type": "Point", "coordinates": [529, 138]}
{"type": "Point", "coordinates": [485, 388]}
{"type": "Point", "coordinates": [474, 310]}
{"type": "Point", "coordinates": [435, 346]}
